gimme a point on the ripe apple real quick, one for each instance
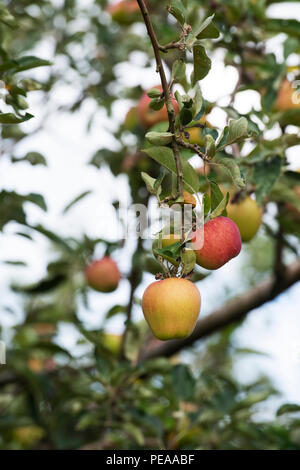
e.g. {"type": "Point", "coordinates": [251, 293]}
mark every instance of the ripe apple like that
{"type": "Point", "coordinates": [103, 275]}
{"type": "Point", "coordinates": [247, 216]}
{"type": "Point", "coordinates": [124, 12]}
{"type": "Point", "coordinates": [284, 100]}
{"type": "Point", "coordinates": [221, 243]}
{"type": "Point", "coordinates": [147, 116]}
{"type": "Point", "coordinates": [112, 342]}
{"type": "Point", "coordinates": [196, 133]}
{"type": "Point", "coordinates": [171, 308]}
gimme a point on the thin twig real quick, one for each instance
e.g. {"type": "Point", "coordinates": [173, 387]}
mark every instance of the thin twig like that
{"type": "Point", "coordinates": [166, 90]}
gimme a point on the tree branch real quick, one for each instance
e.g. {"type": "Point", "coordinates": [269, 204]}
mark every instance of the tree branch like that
{"type": "Point", "coordinates": [166, 90]}
{"type": "Point", "coordinates": [235, 310]}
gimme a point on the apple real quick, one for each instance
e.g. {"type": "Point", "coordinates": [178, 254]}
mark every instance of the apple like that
{"type": "Point", "coordinates": [170, 240]}
{"type": "Point", "coordinates": [112, 342]}
{"type": "Point", "coordinates": [124, 12]}
{"type": "Point", "coordinates": [247, 216]}
{"type": "Point", "coordinates": [28, 435]}
{"type": "Point", "coordinates": [38, 365]}
{"type": "Point", "coordinates": [284, 100]}
{"type": "Point", "coordinates": [171, 308]}
{"type": "Point", "coordinates": [196, 135]}
{"type": "Point", "coordinates": [45, 330]}
{"type": "Point", "coordinates": [221, 243]}
{"type": "Point", "coordinates": [103, 275]}
{"type": "Point", "coordinates": [131, 119]}
{"type": "Point", "coordinates": [188, 199]}
{"type": "Point", "coordinates": [147, 116]}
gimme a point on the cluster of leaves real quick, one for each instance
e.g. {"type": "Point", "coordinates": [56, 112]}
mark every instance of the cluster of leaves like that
{"type": "Point", "coordinates": [50, 398]}
{"type": "Point", "coordinates": [157, 404]}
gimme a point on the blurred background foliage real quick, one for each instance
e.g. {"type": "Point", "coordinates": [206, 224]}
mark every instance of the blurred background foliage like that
{"type": "Point", "coordinates": [52, 398]}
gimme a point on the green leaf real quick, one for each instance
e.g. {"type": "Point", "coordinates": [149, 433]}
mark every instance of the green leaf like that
{"type": "Point", "coordinates": [117, 309]}
{"type": "Point", "coordinates": [221, 208]}
{"type": "Point", "coordinates": [290, 27]}
{"type": "Point", "coordinates": [290, 46]}
{"type": "Point", "coordinates": [151, 184]}
{"type": "Point", "coordinates": [156, 104]}
{"type": "Point", "coordinates": [29, 62]}
{"type": "Point", "coordinates": [43, 286]}
{"type": "Point", "coordinates": [15, 263]}
{"type": "Point", "coordinates": [198, 101]}
{"type": "Point", "coordinates": [188, 259]}
{"type": "Point", "coordinates": [184, 384]}
{"type": "Point", "coordinates": [216, 195]}
{"type": "Point", "coordinates": [52, 236]}
{"type": "Point", "coordinates": [164, 156]}
{"type": "Point", "coordinates": [74, 201]}
{"type": "Point", "coordinates": [159, 138]}
{"type": "Point", "coordinates": [13, 204]}
{"type": "Point", "coordinates": [282, 191]}
{"type": "Point", "coordinates": [135, 432]}
{"type": "Point", "coordinates": [206, 204]}
{"type": "Point", "coordinates": [290, 117]}
{"type": "Point", "coordinates": [266, 173]}
{"type": "Point", "coordinates": [176, 9]}
{"type": "Point", "coordinates": [186, 116]}
{"type": "Point", "coordinates": [207, 30]}
{"type": "Point", "coordinates": [178, 71]}
{"type": "Point", "coordinates": [233, 169]}
{"type": "Point", "coordinates": [10, 118]}
{"type": "Point", "coordinates": [154, 93]}
{"type": "Point", "coordinates": [34, 158]}
{"type": "Point", "coordinates": [202, 63]}
{"type": "Point", "coordinates": [235, 132]}
{"type": "Point", "coordinates": [210, 146]}
{"type": "Point", "coordinates": [171, 253]}
{"type": "Point", "coordinates": [6, 17]}
{"type": "Point", "coordinates": [288, 408]}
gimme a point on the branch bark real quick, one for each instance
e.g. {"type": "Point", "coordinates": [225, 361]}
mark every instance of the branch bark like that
{"type": "Point", "coordinates": [166, 90]}
{"type": "Point", "coordinates": [235, 310]}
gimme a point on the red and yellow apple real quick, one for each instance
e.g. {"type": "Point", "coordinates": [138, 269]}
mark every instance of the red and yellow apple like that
{"type": "Point", "coordinates": [171, 308]}
{"type": "Point", "coordinates": [124, 12]}
{"type": "Point", "coordinates": [285, 97]}
{"type": "Point", "coordinates": [103, 275]}
{"type": "Point", "coordinates": [219, 241]}
{"type": "Point", "coordinates": [149, 117]}
{"type": "Point", "coordinates": [247, 216]}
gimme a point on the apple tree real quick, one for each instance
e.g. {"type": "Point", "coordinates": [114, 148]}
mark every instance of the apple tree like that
{"type": "Point", "coordinates": [137, 390]}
